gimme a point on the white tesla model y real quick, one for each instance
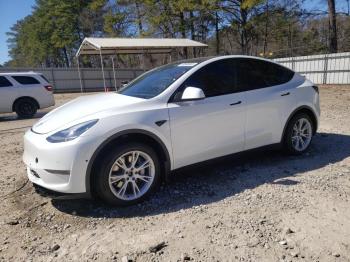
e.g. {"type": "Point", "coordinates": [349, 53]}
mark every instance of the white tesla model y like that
{"type": "Point", "coordinates": [120, 146]}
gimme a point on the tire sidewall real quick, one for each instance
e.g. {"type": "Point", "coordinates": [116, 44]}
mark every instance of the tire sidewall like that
{"type": "Point", "coordinates": [22, 114]}
{"type": "Point", "coordinates": [102, 174]}
{"type": "Point", "coordinates": [288, 135]}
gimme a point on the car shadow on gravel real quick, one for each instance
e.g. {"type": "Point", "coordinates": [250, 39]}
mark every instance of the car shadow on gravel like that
{"type": "Point", "coordinates": [14, 117]}
{"type": "Point", "coordinates": [221, 179]}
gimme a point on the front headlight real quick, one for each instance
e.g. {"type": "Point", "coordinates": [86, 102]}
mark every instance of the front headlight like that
{"type": "Point", "coordinates": [71, 133]}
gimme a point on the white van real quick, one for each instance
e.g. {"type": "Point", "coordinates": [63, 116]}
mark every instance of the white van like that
{"type": "Point", "coordinates": [24, 93]}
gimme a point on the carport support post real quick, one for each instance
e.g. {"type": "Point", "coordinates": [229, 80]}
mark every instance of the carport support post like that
{"type": "Point", "coordinates": [115, 80]}
{"type": "Point", "coordinates": [81, 83]}
{"type": "Point", "coordinates": [103, 72]}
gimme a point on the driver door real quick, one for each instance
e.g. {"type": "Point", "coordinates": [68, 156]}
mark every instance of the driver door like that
{"type": "Point", "coordinates": [210, 127]}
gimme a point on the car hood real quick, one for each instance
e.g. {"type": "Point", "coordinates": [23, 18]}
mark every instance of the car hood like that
{"type": "Point", "coordinates": [81, 108]}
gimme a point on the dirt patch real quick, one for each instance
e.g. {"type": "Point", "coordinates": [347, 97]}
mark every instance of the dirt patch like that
{"type": "Point", "coordinates": [261, 206]}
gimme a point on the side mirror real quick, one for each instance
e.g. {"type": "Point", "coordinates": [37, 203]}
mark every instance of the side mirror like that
{"type": "Point", "coordinates": [124, 83]}
{"type": "Point", "coordinates": [192, 93]}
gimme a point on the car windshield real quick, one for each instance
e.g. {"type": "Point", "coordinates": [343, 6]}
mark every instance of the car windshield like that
{"type": "Point", "coordinates": [156, 81]}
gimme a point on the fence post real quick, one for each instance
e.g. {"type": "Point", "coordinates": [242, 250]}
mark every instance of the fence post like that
{"type": "Point", "coordinates": [82, 79]}
{"type": "Point", "coordinates": [53, 78]}
{"type": "Point", "coordinates": [325, 69]}
{"type": "Point", "coordinates": [293, 63]}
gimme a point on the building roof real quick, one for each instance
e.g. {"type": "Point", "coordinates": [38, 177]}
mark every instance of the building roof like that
{"type": "Point", "coordinates": [111, 46]}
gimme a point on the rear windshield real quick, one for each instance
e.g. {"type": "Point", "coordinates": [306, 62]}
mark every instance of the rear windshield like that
{"type": "Point", "coordinates": [26, 80]}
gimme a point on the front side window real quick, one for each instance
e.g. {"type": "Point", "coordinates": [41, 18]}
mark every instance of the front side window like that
{"type": "Point", "coordinates": [156, 81]}
{"type": "Point", "coordinates": [4, 82]}
{"type": "Point", "coordinates": [215, 79]}
{"type": "Point", "coordinates": [26, 80]}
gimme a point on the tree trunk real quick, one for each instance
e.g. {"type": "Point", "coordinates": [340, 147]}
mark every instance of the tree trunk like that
{"type": "Point", "coordinates": [290, 40]}
{"type": "Point", "coordinates": [66, 59]}
{"type": "Point", "coordinates": [217, 33]}
{"type": "Point", "coordinates": [333, 46]}
{"type": "Point", "coordinates": [266, 28]}
{"type": "Point", "coordinates": [183, 30]}
{"type": "Point", "coordinates": [192, 31]}
{"type": "Point", "coordinates": [192, 25]}
{"type": "Point", "coordinates": [244, 37]}
{"type": "Point", "coordinates": [138, 13]}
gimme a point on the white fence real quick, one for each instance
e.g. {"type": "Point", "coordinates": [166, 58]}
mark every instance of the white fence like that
{"type": "Point", "coordinates": [67, 79]}
{"type": "Point", "coordinates": [321, 69]}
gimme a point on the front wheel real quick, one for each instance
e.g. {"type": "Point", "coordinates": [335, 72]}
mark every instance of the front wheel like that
{"type": "Point", "coordinates": [298, 134]}
{"type": "Point", "coordinates": [128, 174]}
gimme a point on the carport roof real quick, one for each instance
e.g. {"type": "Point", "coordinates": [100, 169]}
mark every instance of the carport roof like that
{"type": "Point", "coordinates": [111, 46]}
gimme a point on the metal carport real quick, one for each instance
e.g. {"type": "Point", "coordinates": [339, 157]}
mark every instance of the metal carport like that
{"type": "Point", "coordinates": [114, 46]}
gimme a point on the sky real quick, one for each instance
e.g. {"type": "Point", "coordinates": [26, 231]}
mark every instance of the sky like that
{"type": "Point", "coordinates": [10, 12]}
{"type": "Point", "coordinates": [13, 10]}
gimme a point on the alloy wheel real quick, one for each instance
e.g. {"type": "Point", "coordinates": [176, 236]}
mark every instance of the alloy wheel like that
{"type": "Point", "coordinates": [301, 134]}
{"type": "Point", "coordinates": [131, 175]}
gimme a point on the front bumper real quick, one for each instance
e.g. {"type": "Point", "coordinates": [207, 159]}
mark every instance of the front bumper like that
{"type": "Point", "coordinates": [59, 167]}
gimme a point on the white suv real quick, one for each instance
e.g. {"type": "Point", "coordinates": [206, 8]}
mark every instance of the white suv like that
{"type": "Point", "coordinates": [24, 93]}
{"type": "Point", "coordinates": [121, 145]}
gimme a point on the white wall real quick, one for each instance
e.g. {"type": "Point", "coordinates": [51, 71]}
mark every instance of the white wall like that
{"type": "Point", "coordinates": [67, 79]}
{"type": "Point", "coordinates": [321, 69]}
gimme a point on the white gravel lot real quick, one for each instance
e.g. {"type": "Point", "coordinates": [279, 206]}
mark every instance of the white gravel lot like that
{"type": "Point", "coordinates": [262, 206]}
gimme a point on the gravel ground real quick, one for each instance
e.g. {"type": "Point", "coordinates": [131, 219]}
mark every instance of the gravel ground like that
{"type": "Point", "coordinates": [261, 206]}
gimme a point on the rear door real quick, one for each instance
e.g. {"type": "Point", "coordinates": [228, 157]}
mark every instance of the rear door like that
{"type": "Point", "coordinates": [29, 85]}
{"type": "Point", "coordinates": [211, 127]}
{"type": "Point", "coordinates": [269, 95]}
{"type": "Point", "coordinates": [8, 94]}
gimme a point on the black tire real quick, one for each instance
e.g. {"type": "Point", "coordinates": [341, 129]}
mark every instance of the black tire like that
{"type": "Point", "coordinates": [25, 107]}
{"type": "Point", "coordinates": [287, 139]}
{"type": "Point", "coordinates": [101, 176]}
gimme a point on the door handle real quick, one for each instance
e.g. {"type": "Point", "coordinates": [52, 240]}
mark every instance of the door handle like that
{"type": "Point", "coordinates": [237, 103]}
{"type": "Point", "coordinates": [285, 94]}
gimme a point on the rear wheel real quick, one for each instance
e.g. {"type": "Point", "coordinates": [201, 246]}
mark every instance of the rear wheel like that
{"type": "Point", "coordinates": [298, 134]}
{"type": "Point", "coordinates": [25, 108]}
{"type": "Point", "coordinates": [128, 174]}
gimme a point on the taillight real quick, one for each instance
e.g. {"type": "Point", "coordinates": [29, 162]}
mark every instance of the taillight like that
{"type": "Point", "coordinates": [316, 89]}
{"type": "Point", "coordinates": [48, 88]}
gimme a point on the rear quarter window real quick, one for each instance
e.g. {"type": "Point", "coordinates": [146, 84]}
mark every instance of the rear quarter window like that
{"type": "Point", "coordinates": [254, 74]}
{"type": "Point", "coordinates": [4, 82]}
{"type": "Point", "coordinates": [43, 77]}
{"type": "Point", "coordinates": [26, 80]}
{"type": "Point", "coordinates": [276, 74]}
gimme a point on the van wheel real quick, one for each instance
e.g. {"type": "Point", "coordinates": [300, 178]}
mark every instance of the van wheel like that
{"type": "Point", "coordinates": [298, 134]}
{"type": "Point", "coordinates": [25, 108]}
{"type": "Point", "coordinates": [128, 174]}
